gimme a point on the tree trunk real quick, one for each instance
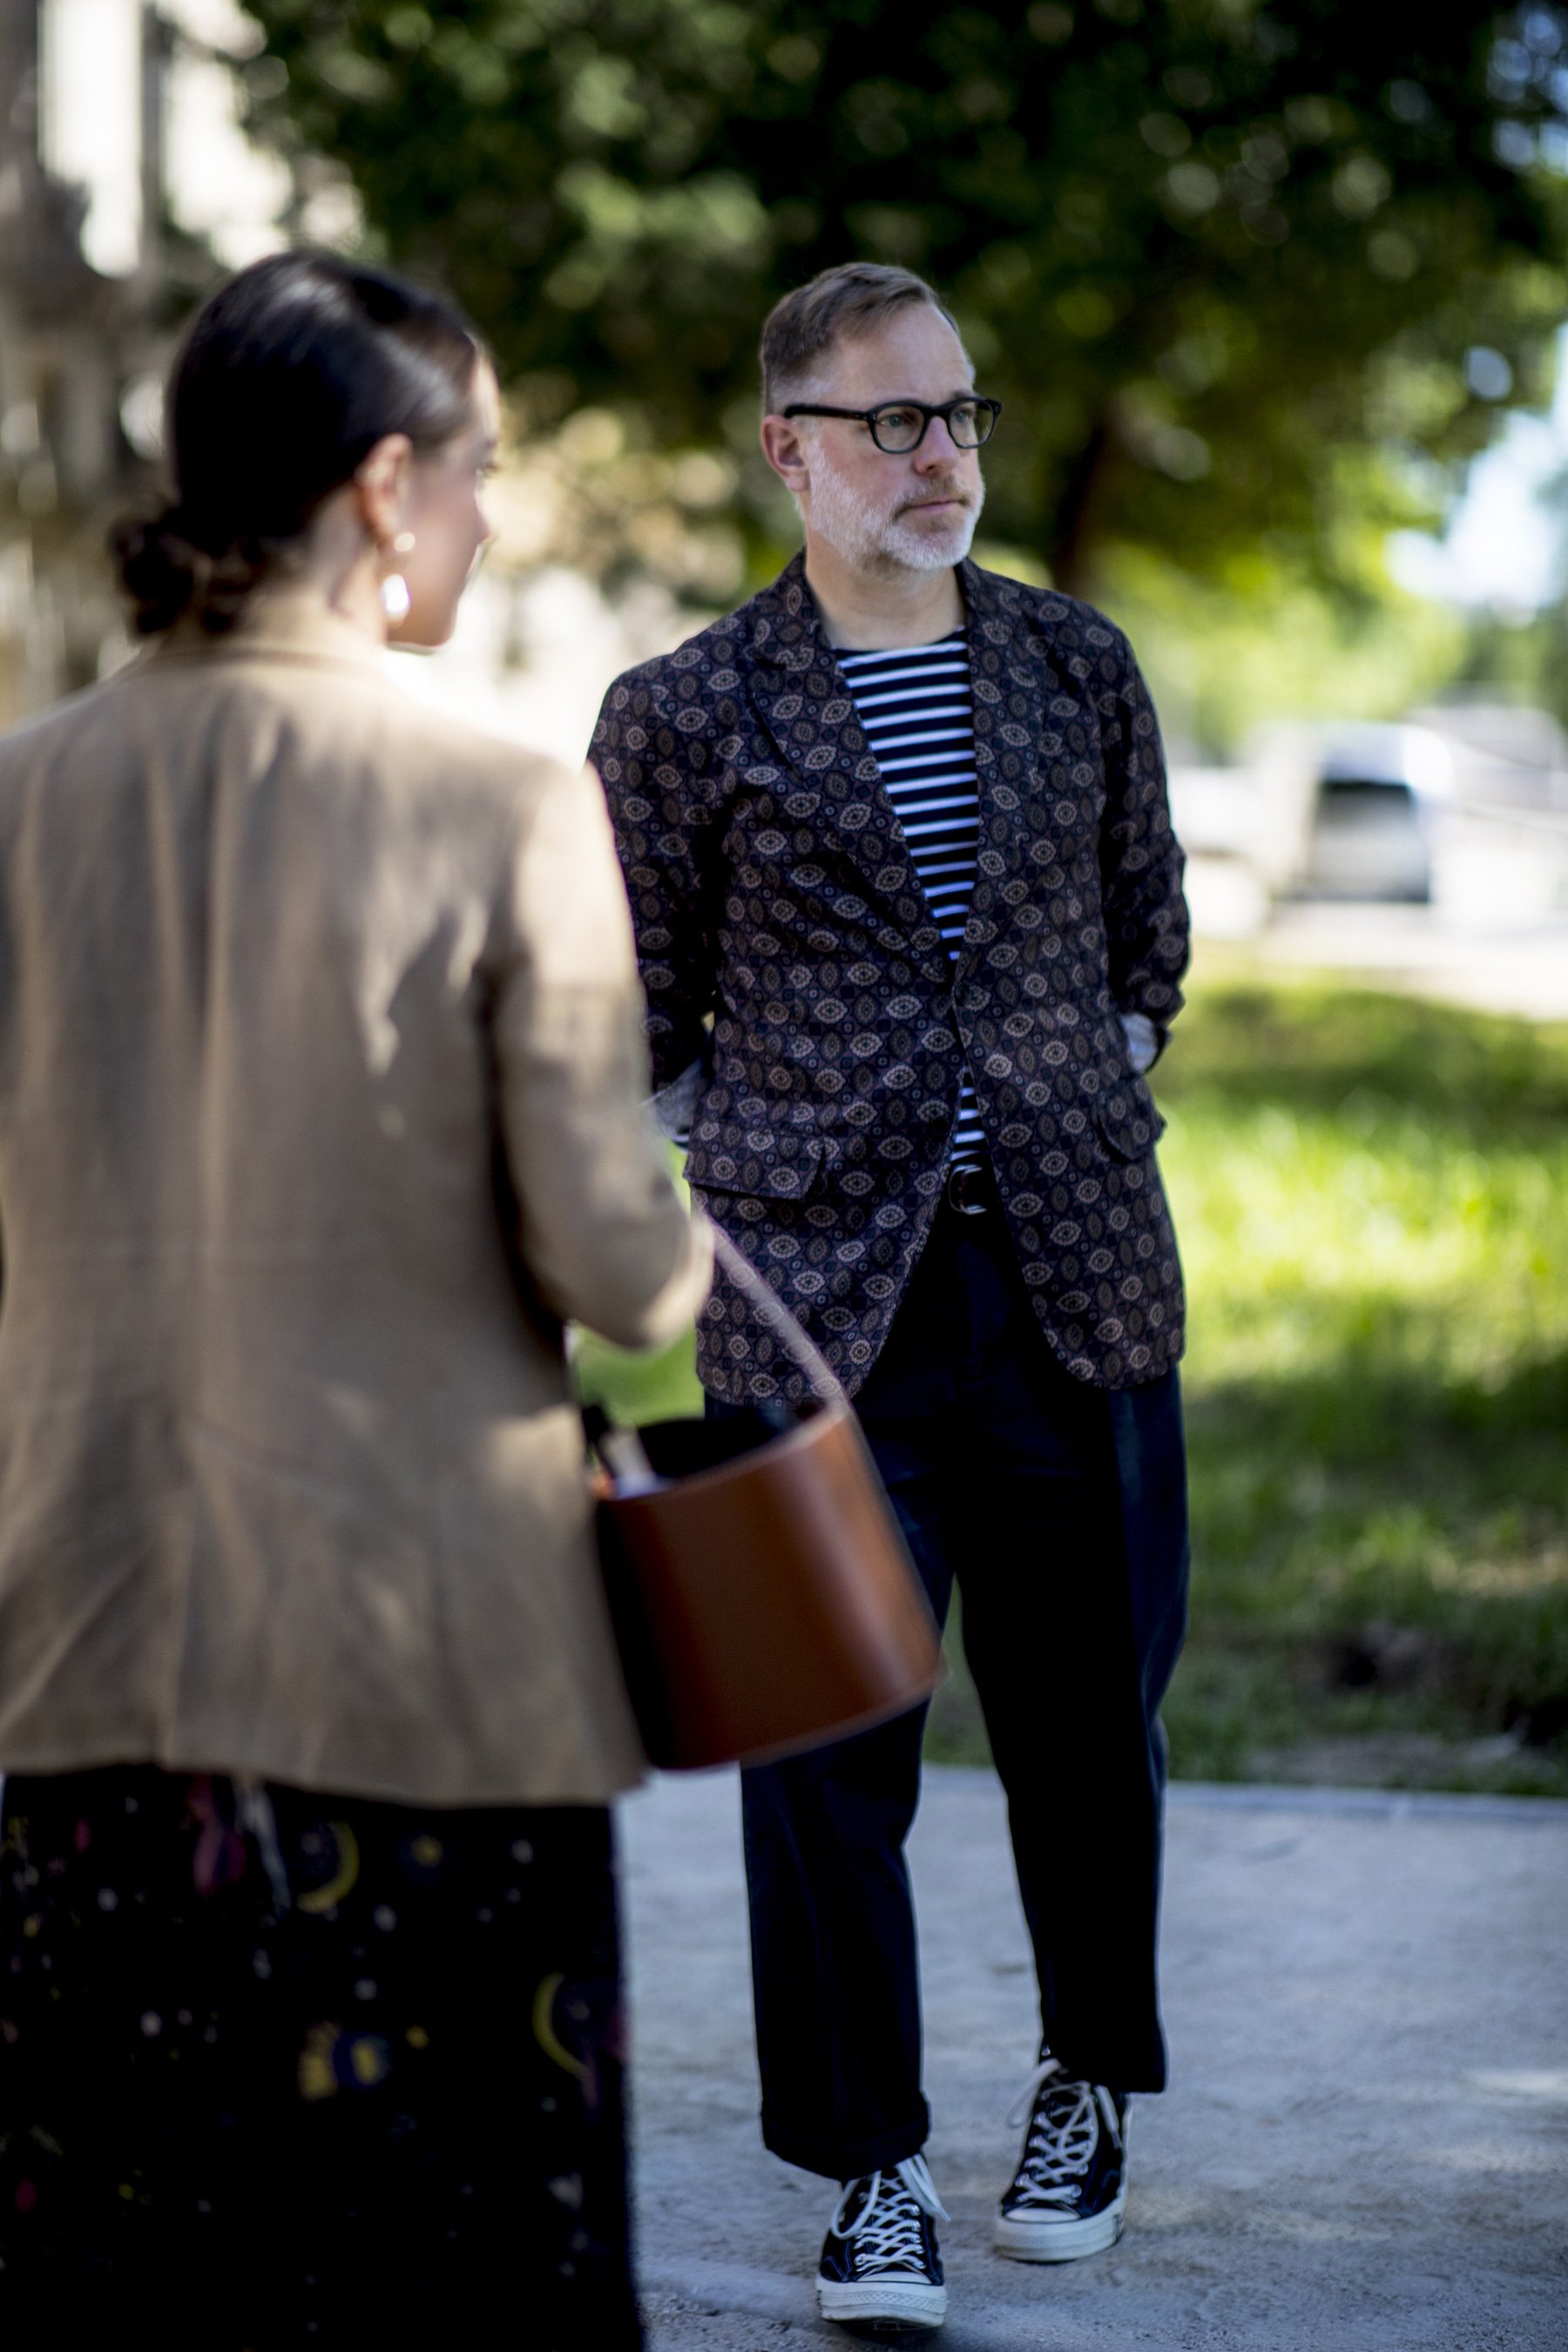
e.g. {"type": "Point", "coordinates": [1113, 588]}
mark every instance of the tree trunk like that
{"type": "Point", "coordinates": [1080, 510]}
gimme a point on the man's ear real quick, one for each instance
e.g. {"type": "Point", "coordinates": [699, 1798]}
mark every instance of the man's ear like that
{"type": "Point", "coordinates": [784, 447]}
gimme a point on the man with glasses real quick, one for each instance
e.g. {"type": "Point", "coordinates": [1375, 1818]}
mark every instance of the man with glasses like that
{"type": "Point", "coordinates": [910, 918]}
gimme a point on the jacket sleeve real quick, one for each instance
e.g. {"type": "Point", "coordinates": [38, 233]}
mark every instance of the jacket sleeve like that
{"type": "Point", "coordinates": [1140, 860]}
{"type": "Point", "coordinates": [602, 1228]}
{"type": "Point", "coordinates": [656, 774]}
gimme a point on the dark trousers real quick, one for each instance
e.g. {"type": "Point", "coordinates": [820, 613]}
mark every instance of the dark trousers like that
{"type": "Point", "coordinates": [1061, 1511]}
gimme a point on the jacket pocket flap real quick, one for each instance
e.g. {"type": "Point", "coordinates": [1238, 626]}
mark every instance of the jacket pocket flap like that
{"type": "Point", "coordinates": [1130, 1124]}
{"type": "Point", "coordinates": [729, 1156]}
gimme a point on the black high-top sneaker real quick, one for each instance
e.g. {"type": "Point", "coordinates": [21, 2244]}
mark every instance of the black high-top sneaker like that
{"type": "Point", "coordinates": [880, 2269]}
{"type": "Point", "coordinates": [1068, 2196]}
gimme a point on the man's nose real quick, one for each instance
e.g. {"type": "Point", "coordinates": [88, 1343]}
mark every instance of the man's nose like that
{"type": "Point", "coordinates": [939, 447]}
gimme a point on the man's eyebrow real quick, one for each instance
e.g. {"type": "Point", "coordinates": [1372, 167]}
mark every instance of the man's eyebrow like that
{"type": "Point", "coordinates": [912, 400]}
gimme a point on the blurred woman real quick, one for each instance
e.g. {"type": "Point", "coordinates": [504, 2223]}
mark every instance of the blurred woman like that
{"type": "Point", "coordinates": [320, 1060]}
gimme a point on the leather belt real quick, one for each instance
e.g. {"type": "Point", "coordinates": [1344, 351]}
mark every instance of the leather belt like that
{"type": "Point", "coordinates": [971, 1191]}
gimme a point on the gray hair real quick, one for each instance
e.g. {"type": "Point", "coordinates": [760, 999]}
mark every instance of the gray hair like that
{"type": "Point", "coordinates": [802, 329]}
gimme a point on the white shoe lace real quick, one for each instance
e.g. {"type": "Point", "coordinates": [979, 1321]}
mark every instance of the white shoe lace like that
{"type": "Point", "coordinates": [887, 2230]}
{"type": "Point", "coordinates": [1063, 2128]}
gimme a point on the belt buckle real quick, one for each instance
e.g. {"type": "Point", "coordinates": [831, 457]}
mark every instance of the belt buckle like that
{"type": "Point", "coordinates": [966, 1189]}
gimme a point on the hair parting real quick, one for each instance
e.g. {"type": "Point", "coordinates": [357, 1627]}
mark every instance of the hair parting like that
{"type": "Point", "coordinates": [850, 299]}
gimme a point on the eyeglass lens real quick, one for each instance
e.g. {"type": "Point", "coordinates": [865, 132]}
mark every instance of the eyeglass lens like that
{"type": "Point", "coordinates": [896, 430]}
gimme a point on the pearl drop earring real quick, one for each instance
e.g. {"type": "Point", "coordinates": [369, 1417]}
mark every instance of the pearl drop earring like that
{"type": "Point", "coordinates": [396, 599]}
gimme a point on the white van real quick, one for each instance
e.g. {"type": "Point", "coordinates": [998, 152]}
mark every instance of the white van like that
{"type": "Point", "coordinates": [1380, 791]}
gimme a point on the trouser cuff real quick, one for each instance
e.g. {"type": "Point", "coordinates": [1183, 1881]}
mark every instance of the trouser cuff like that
{"type": "Point", "coordinates": [848, 2159]}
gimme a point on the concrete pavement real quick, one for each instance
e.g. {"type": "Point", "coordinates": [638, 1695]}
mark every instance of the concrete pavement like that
{"type": "Point", "coordinates": [1366, 2140]}
{"type": "Point", "coordinates": [1512, 966]}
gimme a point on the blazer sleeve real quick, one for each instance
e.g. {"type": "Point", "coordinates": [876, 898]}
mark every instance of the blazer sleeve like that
{"type": "Point", "coordinates": [655, 779]}
{"type": "Point", "coordinates": [1140, 860]}
{"type": "Point", "coordinates": [602, 1228]}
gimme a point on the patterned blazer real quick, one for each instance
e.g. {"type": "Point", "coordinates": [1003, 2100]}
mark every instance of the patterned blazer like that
{"type": "Point", "coordinates": [771, 889]}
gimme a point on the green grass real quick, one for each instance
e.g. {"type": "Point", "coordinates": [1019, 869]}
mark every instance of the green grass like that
{"type": "Point", "coordinates": [1371, 1195]}
{"type": "Point", "coordinates": [639, 1389]}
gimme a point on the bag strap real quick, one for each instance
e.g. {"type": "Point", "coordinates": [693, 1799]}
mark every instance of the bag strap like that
{"type": "Point", "coordinates": [770, 1309]}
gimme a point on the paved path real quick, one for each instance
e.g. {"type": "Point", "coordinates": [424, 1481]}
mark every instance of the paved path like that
{"type": "Point", "coordinates": [1366, 2145]}
{"type": "Point", "coordinates": [1514, 968]}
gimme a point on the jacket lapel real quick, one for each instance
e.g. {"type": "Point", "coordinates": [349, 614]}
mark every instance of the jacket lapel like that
{"type": "Point", "coordinates": [1009, 691]}
{"type": "Point", "coordinates": [801, 697]}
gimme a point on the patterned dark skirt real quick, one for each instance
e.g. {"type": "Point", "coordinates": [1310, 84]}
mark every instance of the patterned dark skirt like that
{"type": "Point", "coordinates": [288, 2068]}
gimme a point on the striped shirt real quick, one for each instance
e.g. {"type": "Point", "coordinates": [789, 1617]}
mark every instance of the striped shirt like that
{"type": "Point", "coordinates": [915, 707]}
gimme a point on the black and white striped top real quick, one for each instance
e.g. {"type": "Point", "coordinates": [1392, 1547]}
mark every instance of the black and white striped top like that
{"type": "Point", "coordinates": [919, 717]}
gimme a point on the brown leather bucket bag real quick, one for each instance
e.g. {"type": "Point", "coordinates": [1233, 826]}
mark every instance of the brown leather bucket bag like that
{"type": "Point", "coordinates": [763, 1596]}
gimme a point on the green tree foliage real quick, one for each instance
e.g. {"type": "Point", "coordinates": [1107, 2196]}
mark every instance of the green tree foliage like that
{"type": "Point", "coordinates": [1235, 271]}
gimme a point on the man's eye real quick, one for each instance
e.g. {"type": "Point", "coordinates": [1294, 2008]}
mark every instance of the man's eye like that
{"type": "Point", "coordinates": [897, 420]}
{"type": "Point", "coordinates": [964, 416]}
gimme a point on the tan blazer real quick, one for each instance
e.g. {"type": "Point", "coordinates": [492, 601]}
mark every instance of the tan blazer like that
{"type": "Point", "coordinates": [296, 981]}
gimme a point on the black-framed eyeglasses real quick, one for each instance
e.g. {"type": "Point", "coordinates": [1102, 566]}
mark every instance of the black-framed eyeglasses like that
{"type": "Point", "coordinates": [896, 427]}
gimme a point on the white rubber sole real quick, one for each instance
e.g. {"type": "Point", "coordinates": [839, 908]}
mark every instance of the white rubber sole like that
{"type": "Point", "coordinates": [1039, 2240]}
{"type": "Point", "coordinates": [904, 2303]}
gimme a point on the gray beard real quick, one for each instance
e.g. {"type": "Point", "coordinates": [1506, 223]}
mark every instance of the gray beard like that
{"type": "Point", "coordinates": [870, 538]}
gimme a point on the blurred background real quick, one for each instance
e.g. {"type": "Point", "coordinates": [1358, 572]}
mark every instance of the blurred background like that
{"type": "Point", "coordinates": [1275, 296]}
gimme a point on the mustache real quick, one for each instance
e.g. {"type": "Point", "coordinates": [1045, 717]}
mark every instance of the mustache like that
{"type": "Point", "coordinates": [954, 493]}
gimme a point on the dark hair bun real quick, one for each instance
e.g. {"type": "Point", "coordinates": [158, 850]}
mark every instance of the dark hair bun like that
{"type": "Point", "coordinates": [166, 576]}
{"type": "Point", "coordinates": [289, 375]}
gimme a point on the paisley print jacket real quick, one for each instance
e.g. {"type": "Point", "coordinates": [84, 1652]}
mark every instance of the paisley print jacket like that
{"type": "Point", "coordinates": [773, 889]}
